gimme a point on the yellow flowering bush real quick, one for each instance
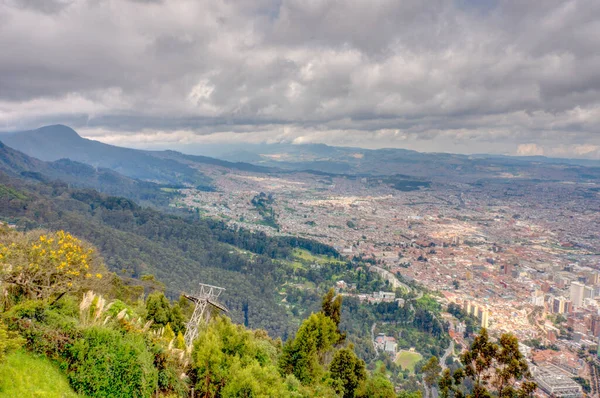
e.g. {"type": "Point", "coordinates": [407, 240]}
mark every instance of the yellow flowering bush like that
{"type": "Point", "coordinates": [42, 265]}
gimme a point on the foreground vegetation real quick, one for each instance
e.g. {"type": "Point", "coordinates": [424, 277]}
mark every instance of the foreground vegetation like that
{"type": "Point", "coordinates": [110, 338]}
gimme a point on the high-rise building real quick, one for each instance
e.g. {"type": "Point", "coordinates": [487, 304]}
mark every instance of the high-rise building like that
{"type": "Point", "coordinates": [595, 326]}
{"type": "Point", "coordinates": [588, 292]}
{"type": "Point", "coordinates": [577, 294]}
{"type": "Point", "coordinates": [467, 306]}
{"type": "Point", "coordinates": [560, 305]}
{"type": "Point", "coordinates": [557, 305]}
{"type": "Point", "coordinates": [568, 306]}
{"type": "Point", "coordinates": [485, 318]}
{"type": "Point", "coordinates": [537, 298]}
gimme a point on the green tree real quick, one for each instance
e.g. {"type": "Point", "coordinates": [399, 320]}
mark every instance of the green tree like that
{"type": "Point", "coordinates": [303, 355]}
{"type": "Point", "coordinates": [511, 367]}
{"type": "Point", "coordinates": [431, 370]}
{"type": "Point", "coordinates": [495, 369]}
{"type": "Point", "coordinates": [349, 369]}
{"type": "Point", "coordinates": [376, 386]}
{"type": "Point", "coordinates": [161, 313]}
{"type": "Point", "coordinates": [331, 306]}
{"type": "Point", "coordinates": [105, 363]}
{"type": "Point", "coordinates": [230, 361]}
{"type": "Point", "coordinates": [409, 394]}
{"type": "Point", "coordinates": [254, 380]}
{"type": "Point", "coordinates": [180, 342]}
{"type": "Point", "coordinates": [168, 333]}
{"type": "Point", "coordinates": [210, 363]}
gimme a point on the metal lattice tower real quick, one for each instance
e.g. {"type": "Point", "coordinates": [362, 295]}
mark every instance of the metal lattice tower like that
{"type": "Point", "coordinates": [205, 298]}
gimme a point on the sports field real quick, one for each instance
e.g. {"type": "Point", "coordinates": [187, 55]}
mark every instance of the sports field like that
{"type": "Point", "coordinates": [408, 359]}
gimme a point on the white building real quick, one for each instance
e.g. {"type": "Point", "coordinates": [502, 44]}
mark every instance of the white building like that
{"type": "Point", "coordinates": [555, 383]}
{"type": "Point", "coordinates": [525, 350]}
{"type": "Point", "coordinates": [390, 347]}
{"type": "Point", "coordinates": [577, 294]}
{"type": "Point", "coordinates": [537, 298]}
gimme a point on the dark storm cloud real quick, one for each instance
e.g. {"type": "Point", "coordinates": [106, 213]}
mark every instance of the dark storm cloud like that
{"type": "Point", "coordinates": [470, 76]}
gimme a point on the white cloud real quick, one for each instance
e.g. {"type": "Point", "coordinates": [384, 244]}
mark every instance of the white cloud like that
{"type": "Point", "coordinates": [530, 150]}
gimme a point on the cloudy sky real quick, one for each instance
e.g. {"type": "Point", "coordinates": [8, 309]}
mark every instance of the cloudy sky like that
{"type": "Point", "coordinates": [467, 76]}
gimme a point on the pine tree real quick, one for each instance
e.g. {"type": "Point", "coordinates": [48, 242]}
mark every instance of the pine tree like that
{"type": "Point", "coordinates": [432, 371]}
{"type": "Point", "coordinates": [303, 356]}
{"type": "Point", "coordinates": [348, 369]}
{"type": "Point", "coordinates": [331, 306]}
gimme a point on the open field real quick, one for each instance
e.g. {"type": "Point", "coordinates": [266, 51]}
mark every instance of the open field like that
{"type": "Point", "coordinates": [307, 257]}
{"type": "Point", "coordinates": [408, 359]}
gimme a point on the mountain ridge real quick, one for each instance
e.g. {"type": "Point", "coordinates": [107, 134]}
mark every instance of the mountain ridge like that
{"type": "Point", "coordinates": [17, 164]}
{"type": "Point", "coordinates": [177, 168]}
{"type": "Point", "coordinates": [51, 143]}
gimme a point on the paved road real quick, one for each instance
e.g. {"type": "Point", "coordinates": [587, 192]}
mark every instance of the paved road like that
{"type": "Point", "coordinates": [373, 338]}
{"type": "Point", "coordinates": [446, 353]}
{"type": "Point", "coordinates": [391, 278]}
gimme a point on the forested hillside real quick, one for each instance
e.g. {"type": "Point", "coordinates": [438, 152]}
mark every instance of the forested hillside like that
{"type": "Point", "coordinates": [181, 251]}
{"type": "Point", "coordinates": [110, 339]}
{"type": "Point", "coordinates": [20, 165]}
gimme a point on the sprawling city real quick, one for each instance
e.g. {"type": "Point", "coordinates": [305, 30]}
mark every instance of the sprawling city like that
{"type": "Point", "coordinates": [521, 256]}
{"type": "Point", "coordinates": [298, 199]}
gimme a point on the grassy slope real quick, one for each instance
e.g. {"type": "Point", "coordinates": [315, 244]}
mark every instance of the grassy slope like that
{"type": "Point", "coordinates": [304, 256]}
{"type": "Point", "coordinates": [26, 375]}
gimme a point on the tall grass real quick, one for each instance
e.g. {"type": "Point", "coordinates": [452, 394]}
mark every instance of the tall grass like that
{"type": "Point", "coordinates": [26, 375]}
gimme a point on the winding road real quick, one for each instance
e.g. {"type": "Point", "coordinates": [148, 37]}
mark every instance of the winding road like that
{"type": "Point", "coordinates": [373, 338]}
{"type": "Point", "coordinates": [391, 278]}
{"type": "Point", "coordinates": [446, 353]}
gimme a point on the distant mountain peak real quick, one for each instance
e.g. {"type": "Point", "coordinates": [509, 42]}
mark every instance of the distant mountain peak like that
{"type": "Point", "coordinates": [58, 130]}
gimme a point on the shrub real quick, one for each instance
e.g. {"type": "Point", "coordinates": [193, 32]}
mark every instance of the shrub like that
{"type": "Point", "coordinates": [47, 330]}
{"type": "Point", "coordinates": [105, 363]}
{"type": "Point", "coordinates": [9, 341]}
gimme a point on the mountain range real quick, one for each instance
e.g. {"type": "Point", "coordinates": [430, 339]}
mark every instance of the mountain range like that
{"type": "Point", "coordinates": [57, 142]}
{"type": "Point", "coordinates": [53, 143]}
